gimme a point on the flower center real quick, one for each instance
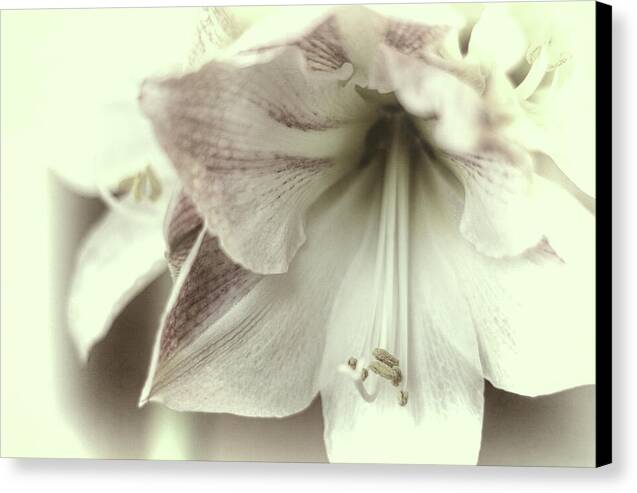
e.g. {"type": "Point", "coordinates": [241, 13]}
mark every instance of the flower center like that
{"type": "Point", "coordinates": [389, 335]}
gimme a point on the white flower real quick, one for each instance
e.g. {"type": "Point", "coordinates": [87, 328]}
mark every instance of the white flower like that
{"type": "Point", "coordinates": [359, 198]}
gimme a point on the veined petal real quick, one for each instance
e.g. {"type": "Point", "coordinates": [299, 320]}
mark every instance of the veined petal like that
{"type": "Point", "coordinates": [500, 215]}
{"type": "Point", "coordinates": [117, 260]}
{"type": "Point", "coordinates": [255, 146]}
{"type": "Point", "coordinates": [182, 227]}
{"type": "Point", "coordinates": [235, 341]}
{"type": "Point", "coordinates": [404, 297]}
{"type": "Point", "coordinates": [314, 30]}
{"type": "Point", "coordinates": [217, 29]}
{"type": "Point", "coordinates": [535, 314]}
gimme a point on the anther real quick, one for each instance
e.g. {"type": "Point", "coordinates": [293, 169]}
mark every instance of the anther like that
{"type": "Point", "coordinates": [385, 357]}
{"type": "Point", "coordinates": [143, 184]}
{"type": "Point", "coordinates": [398, 377]}
{"type": "Point", "coordinates": [364, 374]}
{"type": "Point", "coordinates": [561, 61]}
{"type": "Point", "coordinates": [533, 54]}
{"type": "Point", "coordinates": [154, 183]}
{"type": "Point", "coordinates": [352, 362]}
{"type": "Point", "coordinates": [382, 370]}
{"type": "Point", "coordinates": [403, 397]}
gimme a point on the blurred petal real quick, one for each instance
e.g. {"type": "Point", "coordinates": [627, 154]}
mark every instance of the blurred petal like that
{"type": "Point", "coordinates": [497, 40]}
{"type": "Point", "coordinates": [435, 92]}
{"type": "Point", "coordinates": [117, 260]}
{"type": "Point", "coordinates": [561, 53]}
{"type": "Point", "coordinates": [254, 148]}
{"type": "Point", "coordinates": [235, 341]}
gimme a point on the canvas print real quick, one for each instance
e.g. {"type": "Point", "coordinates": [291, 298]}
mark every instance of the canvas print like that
{"type": "Point", "coordinates": [349, 234]}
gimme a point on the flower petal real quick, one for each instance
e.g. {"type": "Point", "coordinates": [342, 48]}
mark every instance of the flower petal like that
{"type": "Point", "coordinates": [218, 27]}
{"type": "Point", "coordinates": [314, 30]}
{"type": "Point", "coordinates": [235, 341]}
{"type": "Point", "coordinates": [497, 40]}
{"type": "Point", "coordinates": [441, 93]}
{"type": "Point", "coordinates": [500, 217]}
{"type": "Point", "coordinates": [118, 258]}
{"type": "Point", "coordinates": [255, 147]}
{"type": "Point", "coordinates": [497, 176]}
{"type": "Point", "coordinates": [535, 314]}
{"type": "Point", "coordinates": [442, 420]}
{"type": "Point", "coordinates": [182, 227]}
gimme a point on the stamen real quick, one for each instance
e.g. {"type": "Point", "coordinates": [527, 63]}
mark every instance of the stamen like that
{"type": "Point", "coordinates": [141, 186]}
{"type": "Point", "coordinates": [540, 60]}
{"type": "Point", "coordinates": [380, 368]}
{"type": "Point", "coordinates": [154, 183]}
{"type": "Point", "coordinates": [398, 377]}
{"type": "Point", "coordinates": [358, 380]}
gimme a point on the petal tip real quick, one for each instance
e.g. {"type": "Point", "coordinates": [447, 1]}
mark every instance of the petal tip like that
{"type": "Point", "coordinates": [151, 97]}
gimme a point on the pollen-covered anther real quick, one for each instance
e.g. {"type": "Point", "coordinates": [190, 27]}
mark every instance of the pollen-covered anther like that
{"type": "Point", "coordinates": [398, 377]}
{"type": "Point", "coordinates": [385, 357]}
{"type": "Point", "coordinates": [403, 397]}
{"type": "Point", "coordinates": [564, 57]}
{"type": "Point", "coordinates": [533, 54]}
{"type": "Point", "coordinates": [384, 371]}
{"type": "Point", "coordinates": [352, 362]}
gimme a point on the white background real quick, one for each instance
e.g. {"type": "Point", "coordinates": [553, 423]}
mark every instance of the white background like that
{"type": "Point", "coordinates": [98, 476]}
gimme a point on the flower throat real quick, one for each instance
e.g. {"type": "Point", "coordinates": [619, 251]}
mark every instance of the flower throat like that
{"type": "Point", "coordinates": [392, 141]}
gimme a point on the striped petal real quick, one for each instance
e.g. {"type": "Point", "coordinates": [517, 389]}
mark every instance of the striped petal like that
{"type": "Point", "coordinates": [182, 228]}
{"type": "Point", "coordinates": [239, 342]}
{"type": "Point", "coordinates": [255, 146]}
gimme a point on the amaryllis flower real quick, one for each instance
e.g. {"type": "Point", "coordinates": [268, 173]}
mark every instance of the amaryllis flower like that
{"type": "Point", "coordinates": [371, 214]}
